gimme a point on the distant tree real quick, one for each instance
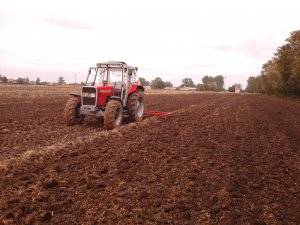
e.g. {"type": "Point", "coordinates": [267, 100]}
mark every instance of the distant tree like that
{"type": "Point", "coordinates": [4, 79]}
{"type": "Point", "coordinates": [61, 81]}
{"type": "Point", "coordinates": [200, 87]}
{"type": "Point", "coordinates": [38, 81]}
{"type": "Point", "coordinates": [209, 80]}
{"type": "Point", "coordinates": [21, 80]}
{"type": "Point", "coordinates": [168, 84]}
{"type": "Point", "coordinates": [27, 80]}
{"type": "Point", "coordinates": [211, 87]}
{"type": "Point", "coordinates": [231, 89]}
{"type": "Point", "coordinates": [209, 83]}
{"type": "Point", "coordinates": [82, 83]}
{"type": "Point", "coordinates": [220, 82]}
{"type": "Point", "coordinates": [157, 83]}
{"type": "Point", "coordinates": [188, 82]}
{"type": "Point", "coordinates": [144, 82]}
{"type": "Point", "coordinates": [294, 41]}
{"type": "Point", "coordinates": [24, 81]}
{"type": "Point", "coordinates": [250, 85]}
{"type": "Point", "coordinates": [44, 83]}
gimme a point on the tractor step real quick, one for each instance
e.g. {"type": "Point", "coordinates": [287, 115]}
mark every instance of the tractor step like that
{"type": "Point", "coordinates": [157, 113]}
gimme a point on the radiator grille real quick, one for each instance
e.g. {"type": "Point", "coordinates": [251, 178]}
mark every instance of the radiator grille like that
{"type": "Point", "coordinates": [88, 100]}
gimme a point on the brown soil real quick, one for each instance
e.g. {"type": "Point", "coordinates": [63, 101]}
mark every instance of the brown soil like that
{"type": "Point", "coordinates": [218, 159]}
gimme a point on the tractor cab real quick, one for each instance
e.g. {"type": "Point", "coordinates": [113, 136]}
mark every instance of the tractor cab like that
{"type": "Point", "coordinates": [111, 82]}
{"type": "Point", "coordinates": [112, 79]}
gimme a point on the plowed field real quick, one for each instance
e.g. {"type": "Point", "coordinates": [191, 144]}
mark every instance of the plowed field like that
{"type": "Point", "coordinates": [218, 159]}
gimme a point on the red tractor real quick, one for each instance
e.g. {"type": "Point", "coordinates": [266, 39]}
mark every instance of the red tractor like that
{"type": "Point", "coordinates": [111, 92]}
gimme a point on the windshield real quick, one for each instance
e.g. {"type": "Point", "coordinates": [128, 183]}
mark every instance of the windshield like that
{"type": "Point", "coordinates": [91, 77]}
{"type": "Point", "coordinates": [114, 75]}
{"type": "Point", "coordinates": [95, 76]}
{"type": "Point", "coordinates": [110, 75]}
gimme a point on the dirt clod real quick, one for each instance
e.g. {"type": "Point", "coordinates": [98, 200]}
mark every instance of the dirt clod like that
{"type": "Point", "coordinates": [51, 184]}
{"type": "Point", "coordinates": [47, 217]}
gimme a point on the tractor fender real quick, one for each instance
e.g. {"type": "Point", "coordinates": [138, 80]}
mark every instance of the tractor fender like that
{"type": "Point", "coordinates": [114, 98]}
{"type": "Point", "coordinates": [134, 87]}
{"type": "Point", "coordinates": [75, 95]}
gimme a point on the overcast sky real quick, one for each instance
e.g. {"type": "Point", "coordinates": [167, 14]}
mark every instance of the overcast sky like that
{"type": "Point", "coordinates": [170, 39]}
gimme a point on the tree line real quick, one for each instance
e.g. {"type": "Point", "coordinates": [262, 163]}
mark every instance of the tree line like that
{"type": "Point", "coordinates": [21, 80]}
{"type": "Point", "coordinates": [157, 83]}
{"type": "Point", "coordinates": [209, 83]}
{"type": "Point", "coordinates": [281, 74]}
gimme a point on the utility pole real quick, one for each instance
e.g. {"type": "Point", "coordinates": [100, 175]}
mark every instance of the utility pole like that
{"type": "Point", "coordinates": [224, 82]}
{"type": "Point", "coordinates": [75, 77]}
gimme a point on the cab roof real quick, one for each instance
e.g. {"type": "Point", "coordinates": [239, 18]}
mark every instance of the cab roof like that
{"type": "Point", "coordinates": [115, 64]}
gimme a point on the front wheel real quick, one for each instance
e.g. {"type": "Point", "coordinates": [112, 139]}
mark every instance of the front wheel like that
{"type": "Point", "coordinates": [113, 114]}
{"type": "Point", "coordinates": [72, 113]}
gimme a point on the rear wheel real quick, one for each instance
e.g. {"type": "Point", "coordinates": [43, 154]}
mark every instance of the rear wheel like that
{"type": "Point", "coordinates": [72, 113]}
{"type": "Point", "coordinates": [136, 106]}
{"type": "Point", "coordinates": [113, 114]}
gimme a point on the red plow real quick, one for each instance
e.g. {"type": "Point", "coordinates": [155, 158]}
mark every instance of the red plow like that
{"type": "Point", "coordinates": [157, 113]}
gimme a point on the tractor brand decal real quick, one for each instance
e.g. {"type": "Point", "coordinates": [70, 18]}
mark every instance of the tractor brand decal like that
{"type": "Point", "coordinates": [105, 91]}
